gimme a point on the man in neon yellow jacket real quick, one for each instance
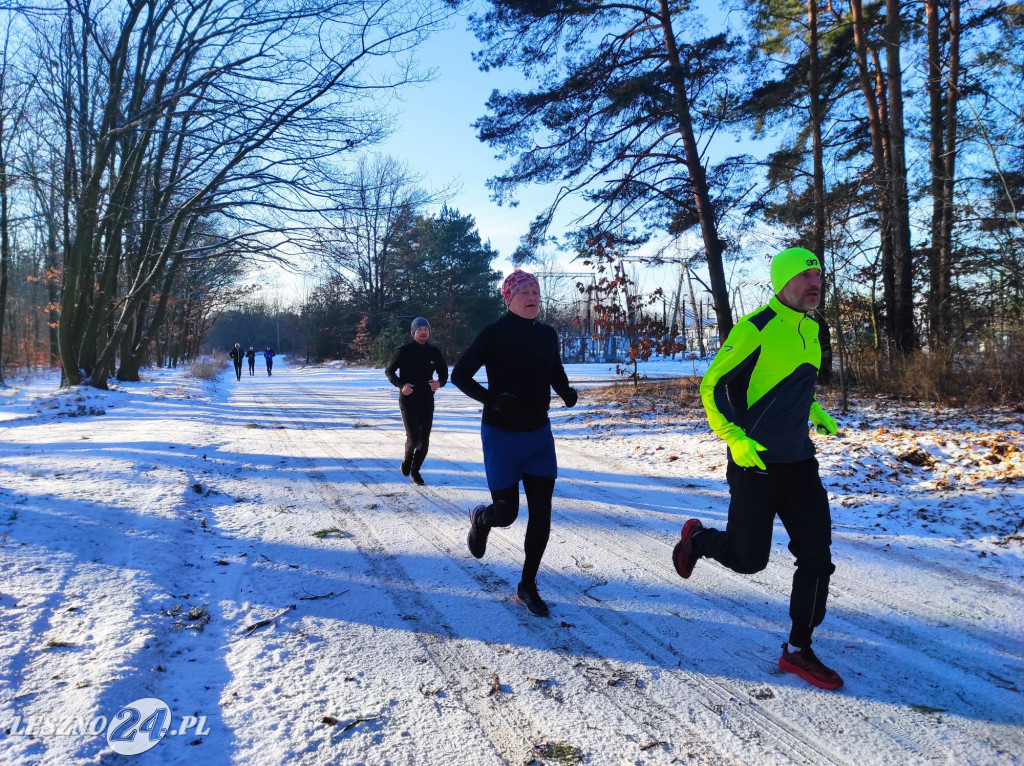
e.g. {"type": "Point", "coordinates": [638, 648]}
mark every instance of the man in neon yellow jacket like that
{"type": "Point", "coordinates": [759, 395]}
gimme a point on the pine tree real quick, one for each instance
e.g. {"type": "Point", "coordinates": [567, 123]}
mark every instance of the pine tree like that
{"type": "Point", "coordinates": [452, 283]}
{"type": "Point", "coordinates": [622, 101]}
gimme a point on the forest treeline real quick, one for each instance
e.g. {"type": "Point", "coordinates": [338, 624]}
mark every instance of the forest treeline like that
{"type": "Point", "coordinates": [152, 151]}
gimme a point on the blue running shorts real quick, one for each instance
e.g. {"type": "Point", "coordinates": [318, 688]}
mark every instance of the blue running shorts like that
{"type": "Point", "coordinates": [511, 455]}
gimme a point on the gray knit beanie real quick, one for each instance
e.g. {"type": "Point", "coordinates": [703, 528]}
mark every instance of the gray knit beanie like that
{"type": "Point", "coordinates": [419, 322]}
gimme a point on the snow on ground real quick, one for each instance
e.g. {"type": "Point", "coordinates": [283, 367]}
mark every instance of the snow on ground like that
{"type": "Point", "coordinates": [247, 557]}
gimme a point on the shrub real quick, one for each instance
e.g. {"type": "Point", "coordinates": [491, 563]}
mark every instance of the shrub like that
{"type": "Point", "coordinates": [985, 375]}
{"type": "Point", "coordinates": [208, 367]}
{"type": "Point", "coordinates": [390, 338]}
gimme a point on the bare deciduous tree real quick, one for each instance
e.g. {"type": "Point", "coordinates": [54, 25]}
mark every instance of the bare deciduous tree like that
{"type": "Point", "coordinates": [176, 114]}
{"type": "Point", "coordinates": [360, 246]}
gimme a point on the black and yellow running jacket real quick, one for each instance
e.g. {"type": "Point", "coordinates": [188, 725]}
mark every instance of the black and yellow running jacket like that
{"type": "Point", "coordinates": [761, 382]}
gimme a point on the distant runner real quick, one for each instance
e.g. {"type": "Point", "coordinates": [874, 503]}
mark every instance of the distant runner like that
{"type": "Point", "coordinates": [411, 370]}
{"type": "Point", "coordinates": [250, 355]}
{"type": "Point", "coordinates": [759, 395]}
{"type": "Point", "coordinates": [269, 356]}
{"type": "Point", "coordinates": [236, 355]}
{"type": "Point", "coordinates": [521, 357]}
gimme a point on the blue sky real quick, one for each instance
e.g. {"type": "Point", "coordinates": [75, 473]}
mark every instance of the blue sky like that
{"type": "Point", "coordinates": [435, 136]}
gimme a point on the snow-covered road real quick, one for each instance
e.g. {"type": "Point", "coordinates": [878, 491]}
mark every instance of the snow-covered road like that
{"type": "Point", "coordinates": [251, 554]}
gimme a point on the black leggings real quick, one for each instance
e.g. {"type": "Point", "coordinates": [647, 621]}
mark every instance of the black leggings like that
{"type": "Point", "coordinates": [793, 491]}
{"type": "Point", "coordinates": [418, 418]}
{"type": "Point", "coordinates": [504, 509]}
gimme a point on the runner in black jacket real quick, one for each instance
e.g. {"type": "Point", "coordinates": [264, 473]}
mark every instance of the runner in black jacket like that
{"type": "Point", "coordinates": [237, 354]}
{"type": "Point", "coordinates": [522, 361]}
{"type": "Point", "coordinates": [411, 370]}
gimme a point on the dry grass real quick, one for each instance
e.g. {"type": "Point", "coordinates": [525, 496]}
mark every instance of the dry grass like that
{"type": "Point", "coordinates": [945, 377]}
{"type": "Point", "coordinates": [208, 367]}
{"type": "Point", "coordinates": [942, 378]}
{"type": "Point", "coordinates": [664, 393]}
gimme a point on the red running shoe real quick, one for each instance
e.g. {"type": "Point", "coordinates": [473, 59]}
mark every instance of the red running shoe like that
{"type": "Point", "coordinates": [684, 555]}
{"type": "Point", "coordinates": [805, 664]}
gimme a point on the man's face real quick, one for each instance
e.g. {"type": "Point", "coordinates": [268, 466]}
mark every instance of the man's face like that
{"type": "Point", "coordinates": [803, 291]}
{"type": "Point", "coordinates": [526, 303]}
{"type": "Point", "coordinates": [421, 334]}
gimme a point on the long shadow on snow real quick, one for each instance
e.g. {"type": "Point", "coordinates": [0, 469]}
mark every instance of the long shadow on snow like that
{"type": "Point", "coordinates": [134, 547]}
{"type": "Point", "coordinates": [423, 592]}
{"type": "Point", "coordinates": [647, 623]}
{"type": "Point", "coordinates": [484, 628]}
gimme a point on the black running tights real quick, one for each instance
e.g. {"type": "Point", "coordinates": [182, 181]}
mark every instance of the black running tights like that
{"type": "Point", "coordinates": [504, 509]}
{"type": "Point", "coordinates": [417, 419]}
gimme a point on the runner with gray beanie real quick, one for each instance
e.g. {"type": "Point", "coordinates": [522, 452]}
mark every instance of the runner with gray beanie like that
{"type": "Point", "coordinates": [411, 370]}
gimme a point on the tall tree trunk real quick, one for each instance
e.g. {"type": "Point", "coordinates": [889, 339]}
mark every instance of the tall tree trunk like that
{"type": "Point", "coordinates": [905, 336]}
{"type": "Point", "coordinates": [144, 331]}
{"type": "Point", "coordinates": [935, 150]}
{"type": "Point", "coordinates": [678, 328]}
{"type": "Point", "coordinates": [52, 189]}
{"type": "Point", "coordinates": [872, 86]}
{"type": "Point", "coordinates": [96, 355]}
{"type": "Point", "coordinates": [98, 144]}
{"type": "Point", "coordinates": [698, 320]}
{"type": "Point", "coordinates": [949, 162]}
{"type": "Point", "coordinates": [51, 267]}
{"type": "Point", "coordinates": [5, 244]}
{"type": "Point", "coordinates": [698, 178]}
{"type": "Point", "coordinates": [130, 363]}
{"type": "Point", "coordinates": [942, 156]}
{"type": "Point", "coordinates": [819, 217]}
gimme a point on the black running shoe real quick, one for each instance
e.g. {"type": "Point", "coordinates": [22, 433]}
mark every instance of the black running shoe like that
{"type": "Point", "coordinates": [416, 478]}
{"type": "Point", "coordinates": [528, 595]}
{"type": "Point", "coordinates": [477, 538]}
{"type": "Point", "coordinates": [405, 467]}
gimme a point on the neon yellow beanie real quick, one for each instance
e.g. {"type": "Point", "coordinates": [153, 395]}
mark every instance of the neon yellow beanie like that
{"type": "Point", "coordinates": [789, 263]}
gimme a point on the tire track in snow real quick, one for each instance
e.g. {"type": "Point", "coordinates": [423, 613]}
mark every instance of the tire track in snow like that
{"type": "Point", "coordinates": [458, 663]}
{"type": "Point", "coordinates": [707, 692]}
{"type": "Point", "coordinates": [903, 733]}
{"type": "Point", "coordinates": [921, 654]}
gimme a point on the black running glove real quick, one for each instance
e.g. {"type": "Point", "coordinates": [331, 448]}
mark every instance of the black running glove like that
{"type": "Point", "coordinates": [506, 404]}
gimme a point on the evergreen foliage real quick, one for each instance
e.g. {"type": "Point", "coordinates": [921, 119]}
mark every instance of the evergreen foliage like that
{"type": "Point", "coordinates": [437, 267]}
{"type": "Point", "coordinates": [624, 96]}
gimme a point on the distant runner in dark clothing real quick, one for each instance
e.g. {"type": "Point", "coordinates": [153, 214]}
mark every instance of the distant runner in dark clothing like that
{"type": "Point", "coordinates": [251, 356]}
{"type": "Point", "coordinates": [269, 356]}
{"type": "Point", "coordinates": [236, 355]}
{"type": "Point", "coordinates": [411, 370]}
{"type": "Point", "coordinates": [522, 362]}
